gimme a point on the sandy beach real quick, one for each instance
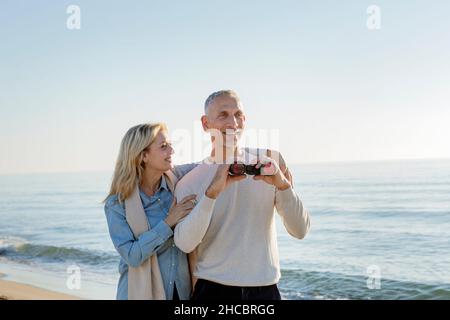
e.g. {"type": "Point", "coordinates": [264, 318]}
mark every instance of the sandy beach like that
{"type": "Point", "coordinates": [10, 290]}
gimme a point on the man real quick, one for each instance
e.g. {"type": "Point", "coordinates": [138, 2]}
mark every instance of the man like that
{"type": "Point", "coordinates": [231, 231]}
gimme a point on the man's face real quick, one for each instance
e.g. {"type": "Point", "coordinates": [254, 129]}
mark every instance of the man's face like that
{"type": "Point", "coordinates": [226, 116]}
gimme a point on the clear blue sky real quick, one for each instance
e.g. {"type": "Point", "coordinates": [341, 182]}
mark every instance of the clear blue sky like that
{"type": "Point", "coordinates": [335, 90]}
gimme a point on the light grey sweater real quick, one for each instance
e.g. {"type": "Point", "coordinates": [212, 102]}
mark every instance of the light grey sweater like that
{"type": "Point", "coordinates": [234, 236]}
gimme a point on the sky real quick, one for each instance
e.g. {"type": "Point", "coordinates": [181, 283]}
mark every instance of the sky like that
{"type": "Point", "coordinates": [311, 76]}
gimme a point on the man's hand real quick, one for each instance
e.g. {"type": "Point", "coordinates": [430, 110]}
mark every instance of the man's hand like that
{"type": "Point", "coordinates": [279, 180]}
{"type": "Point", "coordinates": [221, 180]}
{"type": "Point", "coordinates": [275, 155]}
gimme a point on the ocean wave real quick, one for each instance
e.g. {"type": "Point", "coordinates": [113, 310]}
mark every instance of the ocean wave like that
{"type": "Point", "coordinates": [301, 284]}
{"type": "Point", "coordinates": [20, 250]}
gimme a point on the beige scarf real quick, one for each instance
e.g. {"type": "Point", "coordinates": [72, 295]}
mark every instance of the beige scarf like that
{"type": "Point", "coordinates": [144, 282]}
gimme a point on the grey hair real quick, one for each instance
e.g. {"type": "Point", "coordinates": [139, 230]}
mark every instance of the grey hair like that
{"type": "Point", "coordinates": [217, 94]}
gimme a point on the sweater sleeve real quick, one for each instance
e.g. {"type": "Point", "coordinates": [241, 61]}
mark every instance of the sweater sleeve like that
{"type": "Point", "coordinates": [181, 170]}
{"type": "Point", "coordinates": [295, 217]}
{"type": "Point", "coordinates": [189, 231]}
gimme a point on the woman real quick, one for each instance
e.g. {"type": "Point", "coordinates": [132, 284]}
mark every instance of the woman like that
{"type": "Point", "coordinates": [144, 171]}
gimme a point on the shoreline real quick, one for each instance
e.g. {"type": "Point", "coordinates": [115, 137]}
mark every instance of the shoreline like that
{"type": "Point", "coordinates": [19, 282]}
{"type": "Point", "coordinates": [11, 290]}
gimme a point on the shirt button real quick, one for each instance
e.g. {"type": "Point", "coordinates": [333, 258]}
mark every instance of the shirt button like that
{"type": "Point", "coordinates": [159, 200]}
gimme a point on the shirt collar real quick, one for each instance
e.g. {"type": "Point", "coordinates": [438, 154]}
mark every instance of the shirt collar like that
{"type": "Point", "coordinates": [162, 185]}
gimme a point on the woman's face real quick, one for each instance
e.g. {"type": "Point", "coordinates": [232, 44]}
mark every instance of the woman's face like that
{"type": "Point", "coordinates": [159, 154]}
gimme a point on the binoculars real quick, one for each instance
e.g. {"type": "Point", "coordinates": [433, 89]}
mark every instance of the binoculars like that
{"type": "Point", "coordinates": [266, 169]}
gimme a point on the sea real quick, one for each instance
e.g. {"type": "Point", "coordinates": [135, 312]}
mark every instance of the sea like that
{"type": "Point", "coordinates": [379, 230]}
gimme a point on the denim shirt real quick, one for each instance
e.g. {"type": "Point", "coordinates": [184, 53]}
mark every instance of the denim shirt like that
{"type": "Point", "coordinates": [158, 240]}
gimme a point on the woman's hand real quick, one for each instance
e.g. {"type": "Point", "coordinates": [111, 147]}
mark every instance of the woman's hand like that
{"type": "Point", "coordinates": [221, 180]}
{"type": "Point", "coordinates": [180, 210]}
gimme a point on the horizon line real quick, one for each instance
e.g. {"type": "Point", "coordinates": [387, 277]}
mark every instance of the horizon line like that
{"type": "Point", "coordinates": [321, 162]}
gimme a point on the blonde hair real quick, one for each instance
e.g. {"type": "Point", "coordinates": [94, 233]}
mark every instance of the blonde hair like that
{"type": "Point", "coordinates": [129, 166]}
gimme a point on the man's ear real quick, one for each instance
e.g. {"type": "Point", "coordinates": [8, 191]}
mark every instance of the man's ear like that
{"type": "Point", "coordinates": [204, 120]}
